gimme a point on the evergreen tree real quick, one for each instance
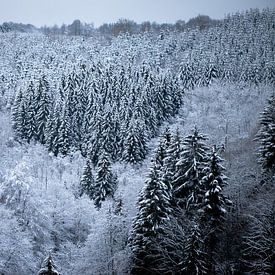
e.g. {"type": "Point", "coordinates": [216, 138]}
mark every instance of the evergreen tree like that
{"type": "Point", "coordinates": [87, 181]}
{"type": "Point", "coordinates": [48, 267]}
{"type": "Point", "coordinates": [30, 114]}
{"type": "Point", "coordinates": [52, 131]}
{"type": "Point", "coordinates": [173, 151]}
{"type": "Point", "coordinates": [161, 151]}
{"type": "Point", "coordinates": [106, 181]}
{"type": "Point", "coordinates": [108, 134]}
{"type": "Point", "coordinates": [160, 155]}
{"type": "Point", "coordinates": [194, 257]}
{"type": "Point", "coordinates": [187, 76]}
{"type": "Point", "coordinates": [16, 119]}
{"type": "Point", "coordinates": [135, 143]}
{"type": "Point", "coordinates": [213, 206]}
{"type": "Point", "coordinates": [190, 170]}
{"type": "Point", "coordinates": [154, 209]}
{"type": "Point", "coordinates": [63, 132]}
{"type": "Point", "coordinates": [19, 116]}
{"type": "Point", "coordinates": [119, 206]}
{"type": "Point", "coordinates": [214, 202]}
{"type": "Point", "coordinates": [42, 103]}
{"type": "Point", "coordinates": [167, 138]}
{"type": "Point", "coordinates": [266, 137]}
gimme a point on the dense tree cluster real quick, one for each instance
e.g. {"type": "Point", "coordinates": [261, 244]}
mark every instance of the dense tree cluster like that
{"type": "Point", "coordinates": [95, 105]}
{"type": "Point", "coordinates": [196, 184]}
{"type": "Point", "coordinates": [266, 137]}
{"type": "Point", "coordinates": [96, 110]}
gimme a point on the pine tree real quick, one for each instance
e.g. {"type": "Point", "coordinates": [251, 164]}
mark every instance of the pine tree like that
{"type": "Point", "coordinates": [63, 132]}
{"type": "Point", "coordinates": [30, 114]}
{"type": "Point", "coordinates": [135, 143]}
{"type": "Point", "coordinates": [161, 151]}
{"type": "Point", "coordinates": [154, 209]}
{"type": "Point", "coordinates": [87, 181]}
{"type": "Point", "coordinates": [106, 181]}
{"type": "Point", "coordinates": [194, 257]}
{"type": "Point", "coordinates": [52, 131]}
{"type": "Point", "coordinates": [108, 133]}
{"type": "Point", "coordinates": [214, 202]}
{"type": "Point", "coordinates": [19, 116]}
{"type": "Point", "coordinates": [48, 267]}
{"type": "Point", "coordinates": [266, 137]}
{"type": "Point", "coordinates": [189, 170]}
{"type": "Point", "coordinates": [16, 117]}
{"type": "Point", "coordinates": [187, 76]}
{"type": "Point", "coordinates": [43, 104]}
{"type": "Point", "coordinates": [160, 155]}
{"type": "Point", "coordinates": [167, 138]}
{"type": "Point", "coordinates": [173, 151]}
{"type": "Point", "coordinates": [213, 206]}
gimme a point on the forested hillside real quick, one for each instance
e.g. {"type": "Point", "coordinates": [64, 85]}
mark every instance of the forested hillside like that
{"type": "Point", "coordinates": [146, 153]}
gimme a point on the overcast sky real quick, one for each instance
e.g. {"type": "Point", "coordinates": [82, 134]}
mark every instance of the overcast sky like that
{"type": "Point", "coordinates": [50, 12]}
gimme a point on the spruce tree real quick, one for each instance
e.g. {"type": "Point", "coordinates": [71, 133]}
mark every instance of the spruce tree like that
{"type": "Point", "coordinates": [63, 132]}
{"type": "Point", "coordinates": [16, 118]}
{"type": "Point", "coordinates": [160, 154]}
{"type": "Point", "coordinates": [173, 151]}
{"type": "Point", "coordinates": [30, 114]}
{"type": "Point", "coordinates": [48, 267]}
{"type": "Point", "coordinates": [87, 181]}
{"type": "Point", "coordinates": [194, 257]}
{"type": "Point", "coordinates": [52, 131]}
{"type": "Point", "coordinates": [266, 137]}
{"type": "Point", "coordinates": [213, 206]}
{"type": "Point", "coordinates": [190, 170]}
{"type": "Point", "coordinates": [42, 103]}
{"type": "Point", "coordinates": [106, 181]}
{"type": "Point", "coordinates": [154, 209]}
{"type": "Point", "coordinates": [161, 151]}
{"type": "Point", "coordinates": [214, 202]}
{"type": "Point", "coordinates": [187, 76]}
{"type": "Point", "coordinates": [19, 116]}
{"type": "Point", "coordinates": [135, 148]}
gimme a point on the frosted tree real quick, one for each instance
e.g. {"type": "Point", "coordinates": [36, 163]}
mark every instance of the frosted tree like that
{"type": "Point", "coordinates": [154, 209]}
{"type": "Point", "coordinates": [109, 135]}
{"type": "Point", "coordinates": [194, 257]}
{"type": "Point", "coordinates": [167, 138]}
{"type": "Point", "coordinates": [258, 243]}
{"type": "Point", "coordinates": [173, 151]}
{"type": "Point", "coordinates": [161, 151]}
{"type": "Point", "coordinates": [63, 132]}
{"type": "Point", "coordinates": [87, 180]}
{"type": "Point", "coordinates": [214, 202]}
{"type": "Point", "coordinates": [52, 131]}
{"type": "Point", "coordinates": [19, 116]}
{"type": "Point", "coordinates": [135, 149]}
{"type": "Point", "coordinates": [160, 154]}
{"type": "Point", "coordinates": [187, 76]}
{"type": "Point", "coordinates": [30, 113]}
{"type": "Point", "coordinates": [213, 206]}
{"type": "Point", "coordinates": [189, 170]}
{"type": "Point", "coordinates": [43, 102]}
{"type": "Point", "coordinates": [106, 181]}
{"type": "Point", "coordinates": [16, 255]}
{"type": "Point", "coordinates": [266, 137]}
{"type": "Point", "coordinates": [48, 267]}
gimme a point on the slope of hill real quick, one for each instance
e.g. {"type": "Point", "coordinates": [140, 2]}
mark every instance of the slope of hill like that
{"type": "Point", "coordinates": [69, 105]}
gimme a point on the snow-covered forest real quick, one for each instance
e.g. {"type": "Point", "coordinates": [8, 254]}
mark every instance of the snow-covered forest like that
{"type": "Point", "coordinates": [143, 153]}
